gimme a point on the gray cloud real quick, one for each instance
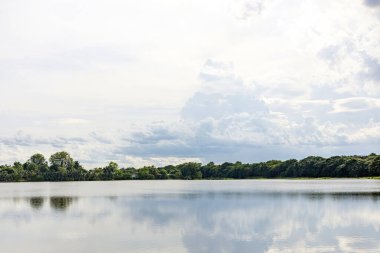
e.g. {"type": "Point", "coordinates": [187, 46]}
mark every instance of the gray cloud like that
{"type": "Point", "coordinates": [360, 71]}
{"type": "Point", "coordinates": [270, 96]}
{"type": "Point", "coordinates": [101, 138]}
{"type": "Point", "coordinates": [245, 9]}
{"type": "Point", "coordinates": [203, 105]}
{"type": "Point", "coordinates": [372, 3]}
{"type": "Point", "coordinates": [27, 140]}
{"type": "Point", "coordinates": [331, 54]}
{"type": "Point", "coordinates": [153, 136]}
{"type": "Point", "coordinates": [372, 69]}
{"type": "Point", "coordinates": [226, 121]}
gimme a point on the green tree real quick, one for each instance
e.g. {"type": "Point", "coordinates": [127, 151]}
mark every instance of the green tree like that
{"type": "Point", "coordinates": [61, 167]}
{"type": "Point", "coordinates": [61, 160]}
{"type": "Point", "coordinates": [374, 166]}
{"type": "Point", "coordinates": [109, 170]}
{"type": "Point", "coordinates": [39, 162]}
{"type": "Point", "coordinates": [190, 170]}
{"type": "Point", "coordinates": [145, 173]}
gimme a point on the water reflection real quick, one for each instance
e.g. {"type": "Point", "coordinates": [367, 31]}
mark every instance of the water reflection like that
{"type": "Point", "coordinates": [268, 222]}
{"type": "Point", "coordinates": [60, 203]}
{"type": "Point", "coordinates": [36, 202]}
{"type": "Point", "coordinates": [186, 218]}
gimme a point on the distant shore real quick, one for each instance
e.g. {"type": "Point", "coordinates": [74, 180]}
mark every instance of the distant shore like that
{"type": "Point", "coordinates": [61, 167]}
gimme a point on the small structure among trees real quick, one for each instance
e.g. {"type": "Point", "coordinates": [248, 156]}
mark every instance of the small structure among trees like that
{"type": "Point", "coordinates": [61, 159]}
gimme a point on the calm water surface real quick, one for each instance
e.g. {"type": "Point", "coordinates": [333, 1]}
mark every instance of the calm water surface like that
{"type": "Point", "coordinates": [191, 216]}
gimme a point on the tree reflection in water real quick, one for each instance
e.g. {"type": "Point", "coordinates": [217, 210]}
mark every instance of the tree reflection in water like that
{"type": "Point", "coordinates": [61, 203]}
{"type": "Point", "coordinates": [36, 202]}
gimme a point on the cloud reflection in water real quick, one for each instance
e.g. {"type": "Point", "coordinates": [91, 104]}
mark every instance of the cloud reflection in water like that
{"type": "Point", "coordinates": [194, 221]}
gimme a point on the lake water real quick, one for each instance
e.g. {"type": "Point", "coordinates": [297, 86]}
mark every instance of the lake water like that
{"type": "Point", "coordinates": [191, 216]}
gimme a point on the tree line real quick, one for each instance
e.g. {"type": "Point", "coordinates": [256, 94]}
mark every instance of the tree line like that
{"type": "Point", "coordinates": [61, 167]}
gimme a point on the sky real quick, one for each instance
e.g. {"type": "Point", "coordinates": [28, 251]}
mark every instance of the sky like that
{"type": "Point", "coordinates": [157, 82]}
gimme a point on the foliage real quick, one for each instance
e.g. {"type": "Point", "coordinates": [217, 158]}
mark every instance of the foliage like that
{"type": "Point", "coordinates": [62, 167]}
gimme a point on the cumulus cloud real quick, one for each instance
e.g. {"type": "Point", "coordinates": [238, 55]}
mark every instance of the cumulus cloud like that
{"type": "Point", "coordinates": [222, 94]}
{"type": "Point", "coordinates": [276, 80]}
{"type": "Point", "coordinates": [234, 121]}
{"type": "Point", "coordinates": [359, 73]}
{"type": "Point", "coordinates": [226, 119]}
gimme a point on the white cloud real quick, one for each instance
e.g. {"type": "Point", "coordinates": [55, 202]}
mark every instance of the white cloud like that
{"type": "Point", "coordinates": [72, 121]}
{"type": "Point", "coordinates": [158, 161]}
{"type": "Point", "coordinates": [356, 104]}
{"type": "Point", "coordinates": [244, 9]}
{"type": "Point", "coordinates": [222, 80]}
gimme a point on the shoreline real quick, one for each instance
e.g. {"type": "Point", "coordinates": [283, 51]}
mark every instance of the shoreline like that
{"type": "Point", "coordinates": [215, 179]}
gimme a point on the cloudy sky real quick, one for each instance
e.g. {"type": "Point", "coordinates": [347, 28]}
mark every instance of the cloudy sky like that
{"type": "Point", "coordinates": [159, 82]}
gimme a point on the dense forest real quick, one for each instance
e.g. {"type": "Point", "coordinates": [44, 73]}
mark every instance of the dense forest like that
{"type": "Point", "coordinates": [61, 167]}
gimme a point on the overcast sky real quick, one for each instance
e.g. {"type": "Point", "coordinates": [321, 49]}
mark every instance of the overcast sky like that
{"type": "Point", "coordinates": [159, 82]}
